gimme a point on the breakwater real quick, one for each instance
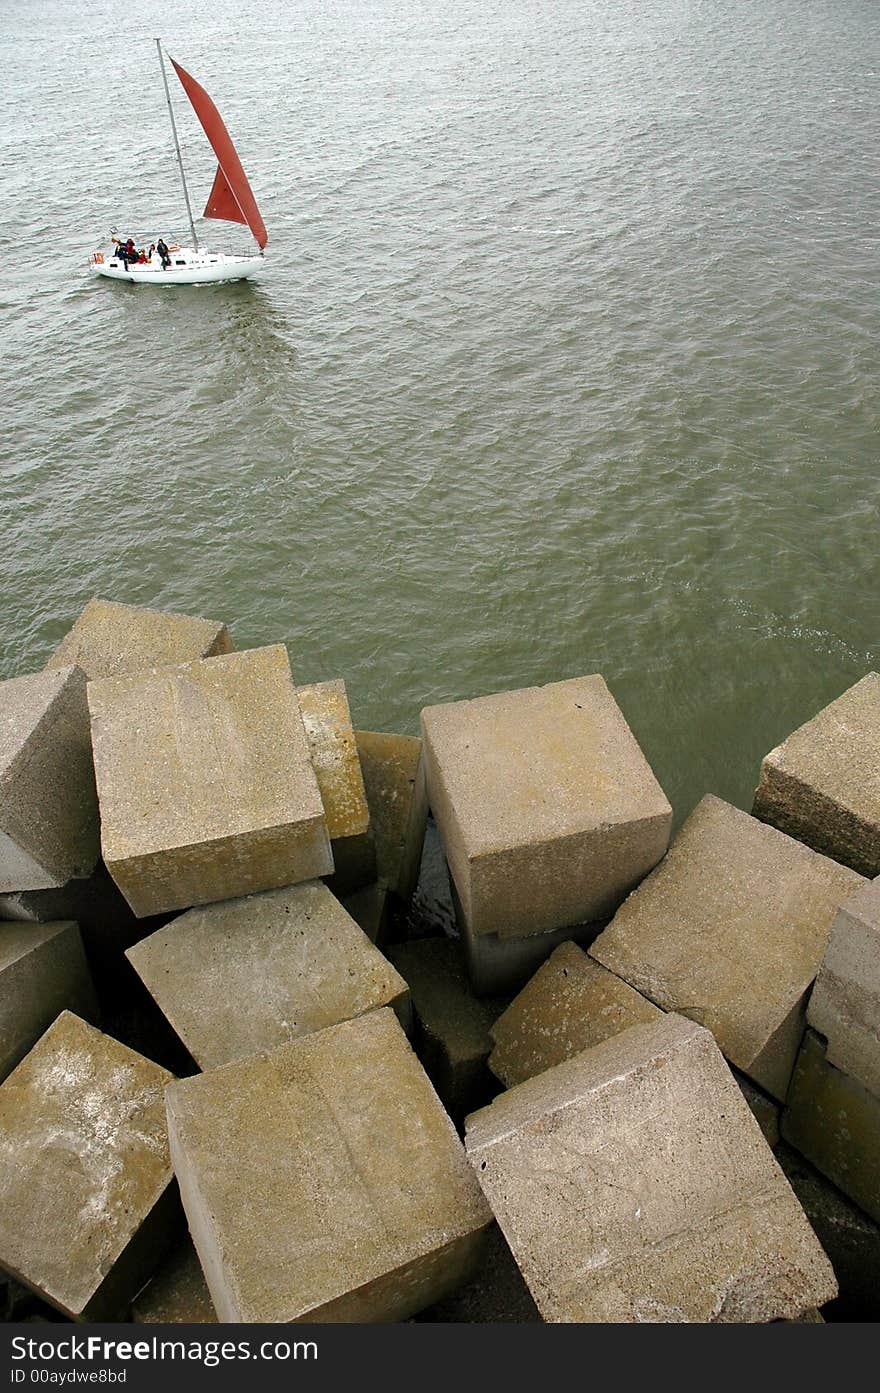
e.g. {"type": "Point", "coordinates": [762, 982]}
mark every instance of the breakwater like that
{"type": "Point", "coordinates": [520, 1047]}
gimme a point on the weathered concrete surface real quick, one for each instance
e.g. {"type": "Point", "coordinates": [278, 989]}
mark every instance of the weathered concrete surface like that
{"type": "Point", "coordinates": [850, 1239]}
{"type": "Point", "coordinates": [845, 1002]}
{"type": "Point", "coordinates": [822, 784]}
{"type": "Point", "coordinates": [334, 754]}
{"type": "Point", "coordinates": [205, 781]}
{"type": "Point", "coordinates": [327, 721]}
{"type": "Point", "coordinates": [394, 780]}
{"type": "Point", "coordinates": [835, 1122]}
{"type": "Point", "coordinates": [43, 971]}
{"type": "Point", "coordinates": [109, 640]}
{"type": "Point", "coordinates": [369, 909]}
{"type": "Point", "coordinates": [453, 1037]}
{"type": "Point", "coordinates": [569, 1005]}
{"type": "Point", "coordinates": [765, 1110]}
{"type": "Point", "coordinates": [730, 930]}
{"type": "Point", "coordinates": [178, 1293]}
{"type": "Point", "coordinates": [48, 808]}
{"type": "Point", "coordinates": [243, 976]}
{"type": "Point", "coordinates": [547, 807]}
{"type": "Point", "coordinates": [339, 1140]}
{"type": "Point", "coordinates": [633, 1184]}
{"type": "Point", "coordinates": [87, 1204]}
{"type": "Point", "coordinates": [496, 1293]}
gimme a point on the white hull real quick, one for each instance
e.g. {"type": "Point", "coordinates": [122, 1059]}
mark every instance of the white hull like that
{"type": "Point", "coordinates": [187, 267]}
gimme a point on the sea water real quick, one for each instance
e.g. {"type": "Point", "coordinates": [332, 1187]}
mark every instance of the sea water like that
{"type": "Point", "coordinates": [565, 358]}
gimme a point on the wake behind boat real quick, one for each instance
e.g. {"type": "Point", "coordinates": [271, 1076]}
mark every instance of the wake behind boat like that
{"type": "Point", "coordinates": [230, 200]}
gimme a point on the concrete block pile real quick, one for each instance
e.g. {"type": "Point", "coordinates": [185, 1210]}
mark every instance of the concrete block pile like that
{"type": "Point", "coordinates": [822, 785]}
{"type": "Point", "coordinates": [302, 1022]}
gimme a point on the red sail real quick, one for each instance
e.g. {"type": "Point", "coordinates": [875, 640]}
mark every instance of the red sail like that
{"type": "Point", "coordinates": [230, 199]}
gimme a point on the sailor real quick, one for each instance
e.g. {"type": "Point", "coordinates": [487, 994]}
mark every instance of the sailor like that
{"type": "Point", "coordinates": [164, 253]}
{"type": "Point", "coordinates": [127, 251]}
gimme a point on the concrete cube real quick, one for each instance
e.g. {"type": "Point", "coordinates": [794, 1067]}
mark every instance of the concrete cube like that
{"type": "Point", "coordinates": [48, 808]}
{"type": "Point", "coordinates": [43, 971]}
{"type": "Point", "coordinates": [329, 731]}
{"type": "Point", "coordinates": [87, 1204]}
{"type": "Point", "coordinates": [453, 1036]}
{"type": "Point", "coordinates": [845, 1002]}
{"type": "Point", "coordinates": [569, 1005]}
{"type": "Point", "coordinates": [245, 975]}
{"type": "Point", "coordinates": [360, 1204]}
{"type": "Point", "coordinates": [205, 782]}
{"type": "Point", "coordinates": [548, 810]}
{"type": "Point", "coordinates": [835, 1122]}
{"type": "Point", "coordinates": [178, 1293]}
{"type": "Point", "coordinates": [849, 1237]}
{"type": "Point", "coordinates": [109, 640]}
{"type": "Point", "coordinates": [730, 930]}
{"type": "Point", "coordinates": [816, 785]}
{"type": "Point", "coordinates": [633, 1184]}
{"type": "Point", "coordinates": [394, 780]}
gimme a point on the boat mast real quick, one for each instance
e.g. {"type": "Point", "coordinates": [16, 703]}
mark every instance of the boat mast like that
{"type": "Point", "coordinates": [177, 148]}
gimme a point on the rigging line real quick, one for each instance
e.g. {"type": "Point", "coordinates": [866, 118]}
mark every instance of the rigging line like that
{"type": "Point", "coordinates": [192, 227]}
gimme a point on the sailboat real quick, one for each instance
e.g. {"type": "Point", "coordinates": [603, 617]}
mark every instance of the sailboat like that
{"type": "Point", "coordinates": [230, 200]}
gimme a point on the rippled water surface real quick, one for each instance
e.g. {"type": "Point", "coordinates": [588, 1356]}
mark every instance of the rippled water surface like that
{"type": "Point", "coordinates": [565, 359]}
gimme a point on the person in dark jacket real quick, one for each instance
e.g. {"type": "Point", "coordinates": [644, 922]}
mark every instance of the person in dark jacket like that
{"type": "Point", "coordinates": [126, 251]}
{"type": "Point", "coordinates": [164, 253]}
